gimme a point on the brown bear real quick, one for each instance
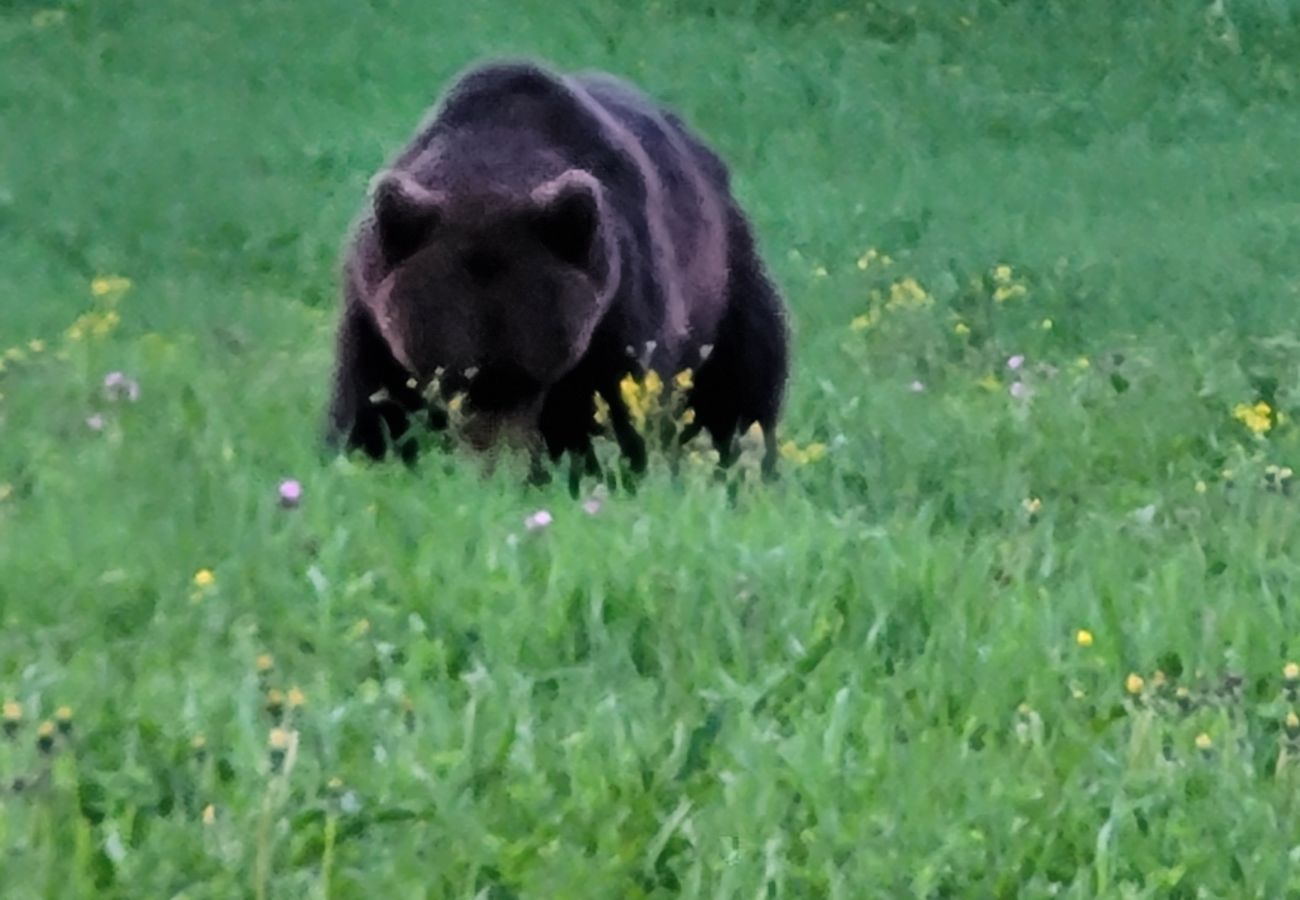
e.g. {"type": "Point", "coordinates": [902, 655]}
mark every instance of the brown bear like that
{"type": "Point", "coordinates": [541, 237]}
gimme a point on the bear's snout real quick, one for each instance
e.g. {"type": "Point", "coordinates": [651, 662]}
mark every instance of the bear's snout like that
{"type": "Point", "coordinates": [501, 386]}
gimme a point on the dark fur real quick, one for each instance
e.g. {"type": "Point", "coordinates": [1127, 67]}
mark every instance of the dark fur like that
{"type": "Point", "coordinates": [539, 232]}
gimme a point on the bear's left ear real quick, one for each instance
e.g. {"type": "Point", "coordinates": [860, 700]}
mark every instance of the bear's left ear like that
{"type": "Point", "coordinates": [566, 217]}
{"type": "Point", "coordinates": [406, 213]}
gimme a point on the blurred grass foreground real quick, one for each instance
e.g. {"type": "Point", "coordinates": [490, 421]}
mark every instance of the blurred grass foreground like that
{"type": "Point", "coordinates": [1019, 620]}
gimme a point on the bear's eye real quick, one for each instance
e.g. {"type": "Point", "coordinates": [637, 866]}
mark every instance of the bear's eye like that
{"type": "Point", "coordinates": [483, 265]}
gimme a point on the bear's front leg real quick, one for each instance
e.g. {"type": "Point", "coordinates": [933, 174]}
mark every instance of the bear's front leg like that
{"type": "Point", "coordinates": [364, 366]}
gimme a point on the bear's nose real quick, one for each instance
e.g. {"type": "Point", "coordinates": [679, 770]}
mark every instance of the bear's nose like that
{"type": "Point", "coordinates": [501, 385]}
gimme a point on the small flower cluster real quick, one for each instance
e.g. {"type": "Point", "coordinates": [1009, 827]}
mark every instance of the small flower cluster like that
{"type": "Point", "coordinates": [1005, 284]}
{"type": "Point", "coordinates": [873, 257]}
{"type": "Point", "coordinates": [116, 387]}
{"type": "Point", "coordinates": [1278, 479]}
{"type": "Point", "coordinates": [649, 400]}
{"type": "Point", "coordinates": [95, 323]}
{"type": "Point", "coordinates": [1259, 417]}
{"type": "Point", "coordinates": [801, 456]}
{"type": "Point", "coordinates": [902, 294]}
{"type": "Point", "coordinates": [21, 353]}
{"type": "Point", "coordinates": [1208, 712]}
{"type": "Point", "coordinates": [282, 708]}
{"type": "Point", "coordinates": [50, 733]}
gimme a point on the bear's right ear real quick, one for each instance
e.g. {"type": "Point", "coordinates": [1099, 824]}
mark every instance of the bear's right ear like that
{"type": "Point", "coordinates": [406, 213]}
{"type": "Point", "coordinates": [566, 216]}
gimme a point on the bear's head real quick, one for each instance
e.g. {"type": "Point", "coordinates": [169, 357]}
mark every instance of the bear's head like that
{"type": "Point", "coordinates": [498, 294]}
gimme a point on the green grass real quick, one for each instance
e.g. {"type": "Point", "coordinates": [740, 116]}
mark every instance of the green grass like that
{"type": "Point", "coordinates": [862, 681]}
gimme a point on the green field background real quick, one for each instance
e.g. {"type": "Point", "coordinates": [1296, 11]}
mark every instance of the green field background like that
{"type": "Point", "coordinates": [1016, 620]}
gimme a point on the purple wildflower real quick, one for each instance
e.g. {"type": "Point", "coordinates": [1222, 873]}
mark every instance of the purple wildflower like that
{"type": "Point", "coordinates": [538, 520]}
{"type": "Point", "coordinates": [290, 492]}
{"type": "Point", "coordinates": [117, 386]}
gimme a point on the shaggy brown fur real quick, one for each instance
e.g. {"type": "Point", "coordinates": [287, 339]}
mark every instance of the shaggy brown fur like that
{"type": "Point", "coordinates": [535, 237]}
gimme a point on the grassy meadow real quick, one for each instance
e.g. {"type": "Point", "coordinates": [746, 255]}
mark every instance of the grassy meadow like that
{"type": "Point", "coordinates": [1018, 620]}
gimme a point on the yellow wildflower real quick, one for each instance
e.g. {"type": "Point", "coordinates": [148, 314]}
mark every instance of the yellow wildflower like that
{"type": "Point", "coordinates": [961, 329]}
{"type": "Point", "coordinates": [12, 711]}
{"type": "Point", "coordinates": [204, 578]}
{"type": "Point", "coordinates": [1083, 637]}
{"type": "Point", "coordinates": [1046, 325]}
{"type": "Point", "coordinates": [1203, 741]}
{"type": "Point", "coordinates": [107, 285]}
{"type": "Point", "coordinates": [36, 345]}
{"type": "Point", "coordinates": [209, 814]}
{"type": "Point", "coordinates": [275, 703]}
{"type": "Point", "coordinates": [296, 698]}
{"type": "Point", "coordinates": [1201, 487]}
{"type": "Point", "coordinates": [1032, 505]}
{"type": "Point", "coordinates": [820, 272]}
{"type": "Point", "coordinates": [278, 739]}
{"type": "Point", "coordinates": [684, 380]}
{"type": "Point", "coordinates": [631, 394]}
{"type": "Point", "coordinates": [1291, 671]}
{"type": "Point", "coordinates": [873, 255]}
{"type": "Point", "coordinates": [45, 736]}
{"type": "Point", "coordinates": [653, 384]}
{"type": "Point", "coordinates": [641, 398]}
{"type": "Point", "coordinates": [1082, 363]}
{"type": "Point", "coordinates": [106, 323]}
{"type": "Point", "coordinates": [803, 455]}
{"type": "Point", "coordinates": [907, 293]}
{"type": "Point", "coordinates": [1002, 273]}
{"type": "Point", "coordinates": [602, 409]}
{"type": "Point", "coordinates": [1005, 292]}
{"type": "Point", "coordinates": [97, 324]}
{"type": "Point", "coordinates": [265, 663]}
{"type": "Point", "coordinates": [1257, 417]}
{"type": "Point", "coordinates": [1134, 683]}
